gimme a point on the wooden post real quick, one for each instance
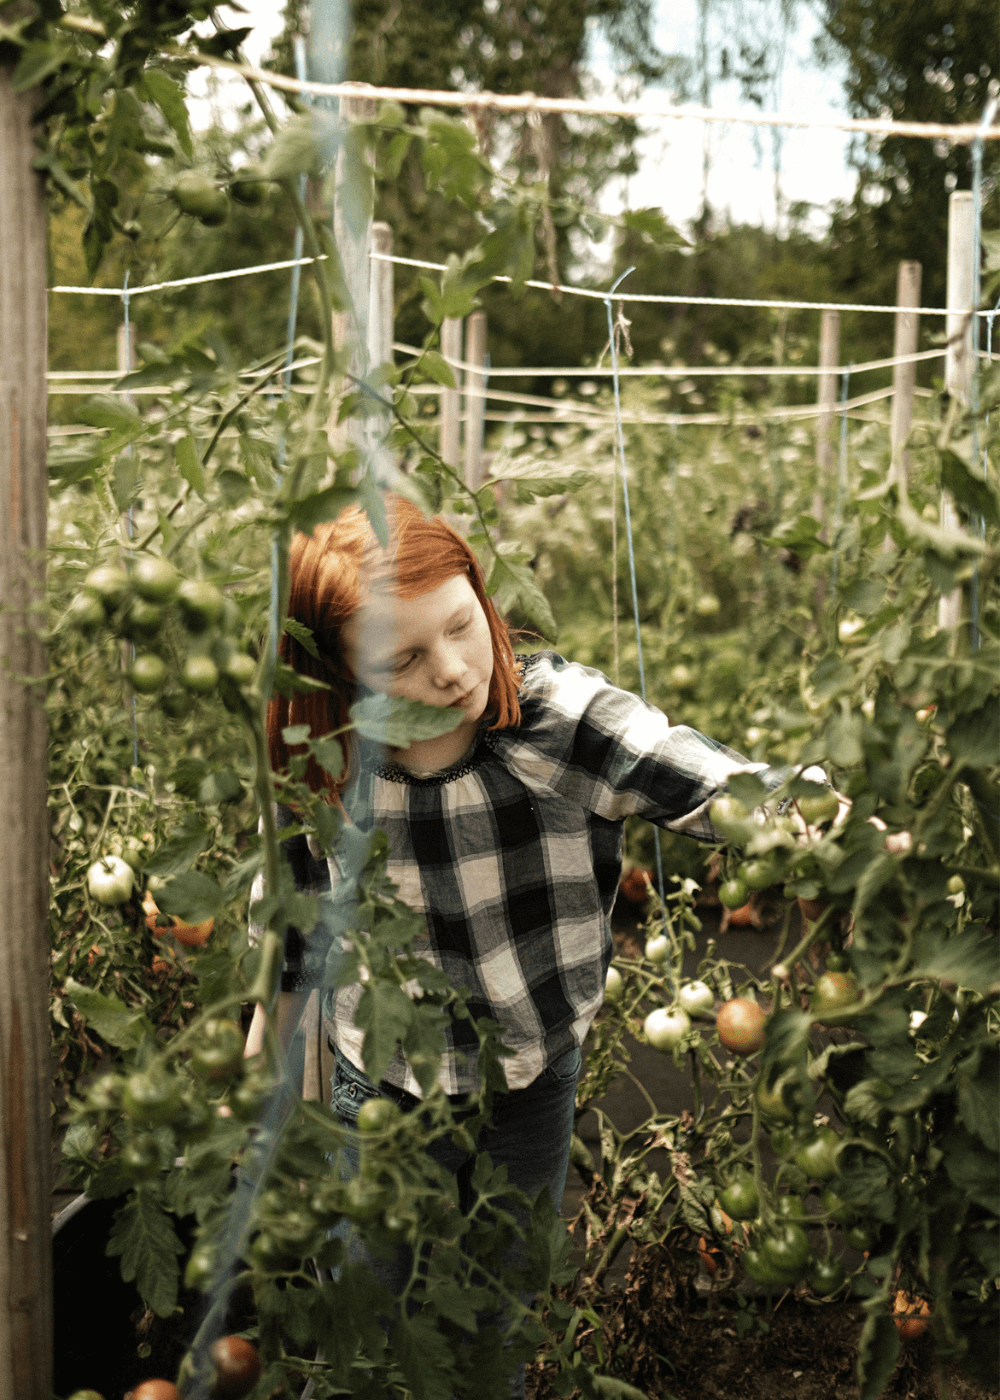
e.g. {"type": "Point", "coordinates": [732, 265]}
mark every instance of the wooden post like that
{"type": "Point", "coordinates": [959, 357]}
{"type": "Point", "coordinates": [826, 398]}
{"type": "Point", "coordinates": [475, 398]}
{"type": "Point", "coordinates": [904, 377]}
{"type": "Point", "coordinates": [380, 298]}
{"type": "Point", "coordinates": [25, 1074]}
{"type": "Point", "coordinates": [450, 430]}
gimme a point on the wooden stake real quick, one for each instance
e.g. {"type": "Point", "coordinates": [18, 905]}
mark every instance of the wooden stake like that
{"type": "Point", "coordinates": [959, 357]}
{"type": "Point", "coordinates": [380, 298]}
{"type": "Point", "coordinates": [451, 348]}
{"type": "Point", "coordinates": [25, 1072]}
{"type": "Point", "coordinates": [475, 398]}
{"type": "Point", "coordinates": [829, 359]}
{"type": "Point", "coordinates": [904, 377]}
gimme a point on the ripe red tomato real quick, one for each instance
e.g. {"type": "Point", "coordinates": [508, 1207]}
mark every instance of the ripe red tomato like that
{"type": "Point", "coordinates": [155, 1390]}
{"type": "Point", "coordinates": [191, 935]}
{"type": "Point", "coordinates": [910, 1315]}
{"type": "Point", "coordinates": [237, 1367]}
{"type": "Point", "coordinates": [740, 1024]}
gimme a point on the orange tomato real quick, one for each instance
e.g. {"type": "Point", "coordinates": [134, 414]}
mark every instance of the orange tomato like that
{"type": "Point", "coordinates": [191, 935]}
{"type": "Point", "coordinates": [742, 917]}
{"type": "Point", "coordinates": [910, 1315]}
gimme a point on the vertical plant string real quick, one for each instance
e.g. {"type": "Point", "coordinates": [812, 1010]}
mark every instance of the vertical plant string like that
{"type": "Point", "coordinates": [620, 444]}
{"type": "Point", "coordinates": [838, 508]}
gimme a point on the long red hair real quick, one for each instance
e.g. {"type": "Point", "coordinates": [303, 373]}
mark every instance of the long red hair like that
{"type": "Point", "coordinates": [331, 572]}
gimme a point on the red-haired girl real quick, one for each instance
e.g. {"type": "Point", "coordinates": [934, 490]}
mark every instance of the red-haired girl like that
{"type": "Point", "coordinates": [505, 834]}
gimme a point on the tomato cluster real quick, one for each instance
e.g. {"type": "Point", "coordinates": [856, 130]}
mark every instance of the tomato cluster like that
{"type": "Point", "coordinates": [195, 193]}
{"type": "Point", "coordinates": [138, 604]}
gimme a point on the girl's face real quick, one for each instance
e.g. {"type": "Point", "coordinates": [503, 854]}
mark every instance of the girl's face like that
{"type": "Point", "coordinates": [436, 648]}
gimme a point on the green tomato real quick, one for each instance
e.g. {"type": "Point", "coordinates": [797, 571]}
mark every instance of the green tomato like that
{"type": "Point", "coordinates": [218, 1052]}
{"type": "Point", "coordinates": [707, 605]}
{"type": "Point", "coordinates": [820, 808]}
{"type": "Point", "coordinates": [834, 992]}
{"type": "Point", "coordinates": [837, 1209]}
{"type": "Point", "coordinates": [695, 998]}
{"type": "Point", "coordinates": [614, 985]}
{"type": "Point", "coordinates": [818, 1157]}
{"type": "Point", "coordinates": [733, 893]}
{"type": "Point", "coordinates": [786, 1248]}
{"type": "Point", "coordinates": [201, 604]}
{"type": "Point", "coordinates": [140, 1158]}
{"type": "Point", "coordinates": [155, 579]}
{"type": "Point", "coordinates": [760, 874]}
{"type": "Point", "coordinates": [151, 1097]}
{"type": "Point", "coordinates": [85, 613]}
{"type": "Point", "coordinates": [657, 949]}
{"type": "Point", "coordinates": [782, 1141]}
{"type": "Point", "coordinates": [762, 1271]}
{"type": "Point", "coordinates": [955, 885]}
{"type": "Point", "coordinates": [377, 1115]}
{"type": "Point", "coordinates": [142, 620]}
{"type": "Point", "coordinates": [105, 1094]}
{"type": "Point", "coordinates": [240, 668]}
{"type": "Point", "coordinates": [247, 1099]}
{"type": "Point", "coordinates": [858, 1237]}
{"type": "Point", "coordinates": [110, 880]}
{"type": "Point", "coordinates": [826, 1276]}
{"type": "Point", "coordinates": [327, 1202]}
{"type": "Point", "coordinates": [200, 674]}
{"type": "Point", "coordinates": [248, 187]}
{"type": "Point", "coordinates": [731, 818]}
{"type": "Point", "coordinates": [199, 1272]}
{"type": "Point", "coordinates": [772, 1102]}
{"type": "Point", "coordinates": [148, 674]}
{"type": "Point", "coordinates": [666, 1028]}
{"type": "Point", "coordinates": [792, 1208]}
{"type": "Point", "coordinates": [195, 194]}
{"type": "Point", "coordinates": [365, 1200]}
{"type": "Point", "coordinates": [108, 583]}
{"type": "Point", "coordinates": [740, 1198]}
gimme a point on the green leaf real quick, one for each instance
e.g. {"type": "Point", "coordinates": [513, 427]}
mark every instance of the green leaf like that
{"type": "Point", "coordinates": [842, 737]}
{"type": "Point", "coordinates": [182, 849]}
{"type": "Point", "coordinates": [169, 97]}
{"type": "Point", "coordinates": [293, 151]}
{"type": "Point", "coordinates": [220, 786]}
{"type": "Point", "coordinates": [971, 1168]}
{"type": "Point", "coordinates": [654, 228]}
{"type": "Point", "coordinates": [189, 464]}
{"type": "Point", "coordinates": [108, 411]}
{"type": "Point", "coordinates": [288, 682]}
{"type": "Point", "coordinates": [40, 58]}
{"type": "Point", "coordinates": [436, 367]}
{"type": "Point", "coordinates": [303, 635]}
{"type": "Point", "coordinates": [399, 723]}
{"type": "Point", "coordinates": [964, 480]}
{"type": "Point", "coordinates": [512, 584]}
{"type": "Point", "coordinates": [294, 734]}
{"type": "Point", "coordinates": [125, 480]}
{"type": "Point", "coordinates": [970, 959]}
{"type": "Point", "coordinates": [978, 1099]}
{"type": "Point", "coordinates": [800, 536]}
{"type": "Point", "coordinates": [747, 788]}
{"type": "Point", "coordinates": [425, 1358]}
{"type": "Point", "coordinates": [864, 596]}
{"type": "Point", "coordinates": [309, 511]}
{"type": "Point", "coordinates": [973, 738]}
{"type": "Point", "coordinates": [144, 1236]}
{"type": "Point", "coordinates": [384, 1013]}
{"type": "Point", "coordinates": [615, 1389]}
{"type": "Point", "coordinates": [118, 1024]}
{"type": "Point", "coordinates": [529, 480]}
{"type": "Point", "coordinates": [192, 897]}
{"type": "Point", "coordinates": [329, 755]}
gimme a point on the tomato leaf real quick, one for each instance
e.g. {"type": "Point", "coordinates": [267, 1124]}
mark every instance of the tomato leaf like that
{"type": "Point", "coordinates": [144, 1237]}
{"type": "Point", "coordinates": [113, 1021]}
{"type": "Point", "coordinates": [191, 896]}
{"type": "Point", "coordinates": [399, 723]}
{"type": "Point", "coordinates": [303, 635]}
{"type": "Point", "coordinates": [512, 584]}
{"type": "Point", "coordinates": [878, 1351]}
{"type": "Point", "coordinates": [170, 99]}
{"type": "Point", "coordinates": [189, 464]}
{"type": "Point", "coordinates": [969, 958]}
{"type": "Point", "coordinates": [384, 1013]}
{"type": "Point", "coordinates": [182, 849]}
{"type": "Point", "coordinates": [425, 1357]}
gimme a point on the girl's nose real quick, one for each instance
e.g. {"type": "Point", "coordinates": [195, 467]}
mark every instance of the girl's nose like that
{"type": "Point", "coordinates": [448, 667]}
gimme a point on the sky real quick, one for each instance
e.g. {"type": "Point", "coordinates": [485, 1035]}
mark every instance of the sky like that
{"type": "Point", "coordinates": [741, 185]}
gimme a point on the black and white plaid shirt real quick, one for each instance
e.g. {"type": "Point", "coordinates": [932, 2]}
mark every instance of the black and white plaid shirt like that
{"type": "Point", "coordinates": [513, 857]}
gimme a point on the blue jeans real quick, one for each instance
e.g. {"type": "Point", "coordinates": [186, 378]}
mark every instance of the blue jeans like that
{"type": "Point", "coordinates": [529, 1134]}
